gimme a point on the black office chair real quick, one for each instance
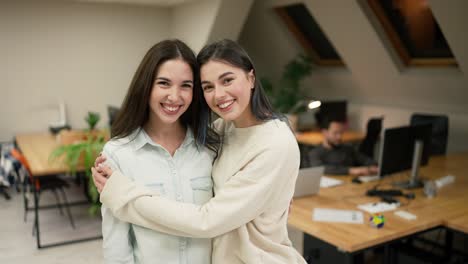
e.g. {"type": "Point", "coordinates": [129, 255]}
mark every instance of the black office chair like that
{"type": "Point", "coordinates": [3, 188]}
{"type": "Point", "coordinates": [374, 127]}
{"type": "Point", "coordinates": [112, 111]}
{"type": "Point", "coordinates": [51, 183]}
{"type": "Point", "coordinates": [440, 128]}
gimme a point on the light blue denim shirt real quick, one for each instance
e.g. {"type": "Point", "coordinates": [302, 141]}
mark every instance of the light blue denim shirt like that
{"type": "Point", "coordinates": [184, 177]}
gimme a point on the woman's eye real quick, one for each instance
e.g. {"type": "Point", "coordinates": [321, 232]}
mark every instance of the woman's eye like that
{"type": "Point", "coordinates": [187, 86]}
{"type": "Point", "coordinates": [163, 83]}
{"type": "Point", "coordinates": [227, 81]}
{"type": "Point", "coordinates": [207, 88]}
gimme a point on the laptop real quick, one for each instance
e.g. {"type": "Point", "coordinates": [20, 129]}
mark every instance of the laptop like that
{"type": "Point", "coordinates": [308, 181]}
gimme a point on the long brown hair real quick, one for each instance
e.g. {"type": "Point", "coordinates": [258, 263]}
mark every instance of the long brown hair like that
{"type": "Point", "coordinates": [229, 51]}
{"type": "Point", "coordinates": [134, 112]}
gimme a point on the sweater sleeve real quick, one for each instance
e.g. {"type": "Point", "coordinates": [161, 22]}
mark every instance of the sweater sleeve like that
{"type": "Point", "coordinates": [243, 197]}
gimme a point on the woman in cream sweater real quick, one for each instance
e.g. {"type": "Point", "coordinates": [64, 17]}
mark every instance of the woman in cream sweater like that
{"type": "Point", "coordinates": [254, 174]}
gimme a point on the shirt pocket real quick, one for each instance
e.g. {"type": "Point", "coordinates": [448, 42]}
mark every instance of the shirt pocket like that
{"type": "Point", "coordinates": [202, 189]}
{"type": "Point", "coordinates": [157, 187]}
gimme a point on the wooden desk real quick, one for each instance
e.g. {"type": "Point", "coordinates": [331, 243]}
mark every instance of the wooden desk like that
{"type": "Point", "coordinates": [448, 208]}
{"type": "Point", "coordinates": [459, 223]}
{"type": "Point", "coordinates": [36, 148]}
{"type": "Point", "coordinates": [316, 138]}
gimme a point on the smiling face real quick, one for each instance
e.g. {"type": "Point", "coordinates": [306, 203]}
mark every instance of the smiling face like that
{"type": "Point", "coordinates": [172, 92]}
{"type": "Point", "coordinates": [227, 90]}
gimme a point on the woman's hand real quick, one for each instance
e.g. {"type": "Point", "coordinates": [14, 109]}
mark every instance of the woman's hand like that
{"type": "Point", "coordinates": [100, 172]}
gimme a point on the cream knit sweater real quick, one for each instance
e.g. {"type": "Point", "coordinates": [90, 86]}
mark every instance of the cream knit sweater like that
{"type": "Point", "coordinates": [254, 179]}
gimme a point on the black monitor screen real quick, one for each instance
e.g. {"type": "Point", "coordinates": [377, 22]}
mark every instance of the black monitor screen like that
{"type": "Point", "coordinates": [334, 110]}
{"type": "Point", "coordinates": [398, 147]}
{"type": "Point", "coordinates": [112, 111]}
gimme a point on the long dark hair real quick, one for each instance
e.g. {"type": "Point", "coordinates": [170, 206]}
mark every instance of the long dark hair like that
{"type": "Point", "coordinates": [134, 112]}
{"type": "Point", "coordinates": [230, 52]}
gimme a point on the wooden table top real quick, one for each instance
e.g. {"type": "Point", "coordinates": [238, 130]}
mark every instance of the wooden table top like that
{"type": "Point", "coordinates": [37, 147]}
{"type": "Point", "coordinates": [449, 206]}
{"type": "Point", "coordinates": [459, 223]}
{"type": "Point", "coordinates": [315, 137]}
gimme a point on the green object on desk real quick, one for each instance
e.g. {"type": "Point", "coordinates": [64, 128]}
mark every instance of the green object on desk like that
{"type": "Point", "coordinates": [92, 119]}
{"type": "Point", "coordinates": [84, 151]}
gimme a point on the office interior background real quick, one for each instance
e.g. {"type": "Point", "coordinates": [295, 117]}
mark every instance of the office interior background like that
{"type": "Point", "coordinates": [85, 52]}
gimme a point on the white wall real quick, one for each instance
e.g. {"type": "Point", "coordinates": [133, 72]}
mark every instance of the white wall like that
{"type": "Point", "coordinates": [201, 22]}
{"type": "Point", "coordinates": [84, 53]}
{"type": "Point", "coordinates": [192, 22]}
{"type": "Point", "coordinates": [230, 19]}
{"type": "Point", "coordinates": [372, 81]}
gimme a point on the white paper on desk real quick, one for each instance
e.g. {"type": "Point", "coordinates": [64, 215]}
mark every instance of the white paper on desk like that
{"type": "Point", "coordinates": [337, 216]}
{"type": "Point", "coordinates": [378, 207]}
{"type": "Point", "coordinates": [326, 182]}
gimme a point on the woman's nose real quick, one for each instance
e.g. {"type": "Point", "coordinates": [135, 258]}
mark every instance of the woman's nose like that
{"type": "Point", "coordinates": [174, 93]}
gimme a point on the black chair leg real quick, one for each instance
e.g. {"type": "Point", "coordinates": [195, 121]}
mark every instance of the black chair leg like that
{"type": "Point", "coordinates": [67, 207]}
{"type": "Point", "coordinates": [5, 193]}
{"type": "Point", "coordinates": [34, 229]}
{"type": "Point", "coordinates": [58, 200]}
{"type": "Point", "coordinates": [26, 193]}
{"type": "Point", "coordinates": [34, 222]}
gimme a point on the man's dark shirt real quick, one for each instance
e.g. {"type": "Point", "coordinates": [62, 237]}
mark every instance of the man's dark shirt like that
{"type": "Point", "coordinates": [339, 159]}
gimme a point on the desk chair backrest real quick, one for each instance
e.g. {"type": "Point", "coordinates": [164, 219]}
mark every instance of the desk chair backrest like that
{"type": "Point", "coordinates": [15, 153]}
{"type": "Point", "coordinates": [374, 127]}
{"type": "Point", "coordinates": [440, 128]}
{"type": "Point", "coordinates": [112, 111]}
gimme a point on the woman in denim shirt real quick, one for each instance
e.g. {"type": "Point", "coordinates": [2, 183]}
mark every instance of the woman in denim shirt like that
{"type": "Point", "coordinates": [158, 140]}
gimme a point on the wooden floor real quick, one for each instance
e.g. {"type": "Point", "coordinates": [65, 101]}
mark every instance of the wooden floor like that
{"type": "Point", "coordinates": [18, 246]}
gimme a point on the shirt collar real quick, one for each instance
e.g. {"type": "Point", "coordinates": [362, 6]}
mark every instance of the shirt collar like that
{"type": "Point", "coordinates": [141, 138]}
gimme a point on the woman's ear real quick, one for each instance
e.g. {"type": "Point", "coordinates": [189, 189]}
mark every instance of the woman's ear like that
{"type": "Point", "coordinates": [251, 78]}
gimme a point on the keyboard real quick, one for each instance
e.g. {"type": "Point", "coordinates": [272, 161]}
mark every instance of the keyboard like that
{"type": "Point", "coordinates": [391, 192]}
{"type": "Point", "coordinates": [326, 182]}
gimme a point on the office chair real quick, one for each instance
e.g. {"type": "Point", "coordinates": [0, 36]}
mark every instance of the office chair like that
{"type": "Point", "coordinates": [374, 127]}
{"type": "Point", "coordinates": [43, 183]}
{"type": "Point", "coordinates": [440, 127]}
{"type": "Point", "coordinates": [3, 188]}
{"type": "Point", "coordinates": [112, 112]}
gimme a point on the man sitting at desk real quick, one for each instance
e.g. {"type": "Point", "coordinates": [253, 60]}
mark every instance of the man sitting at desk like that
{"type": "Point", "coordinates": [339, 158]}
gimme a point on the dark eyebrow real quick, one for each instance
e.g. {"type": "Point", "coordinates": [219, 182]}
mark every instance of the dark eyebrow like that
{"type": "Point", "coordinates": [224, 74]}
{"type": "Point", "coordinates": [220, 77]}
{"type": "Point", "coordinates": [187, 81]}
{"type": "Point", "coordinates": [163, 79]}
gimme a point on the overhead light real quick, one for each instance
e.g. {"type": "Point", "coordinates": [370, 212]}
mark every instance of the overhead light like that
{"type": "Point", "coordinates": [314, 104]}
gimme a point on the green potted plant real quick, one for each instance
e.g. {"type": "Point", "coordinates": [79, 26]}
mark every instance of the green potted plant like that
{"type": "Point", "coordinates": [287, 96]}
{"type": "Point", "coordinates": [92, 119]}
{"type": "Point", "coordinates": [287, 93]}
{"type": "Point", "coordinates": [79, 150]}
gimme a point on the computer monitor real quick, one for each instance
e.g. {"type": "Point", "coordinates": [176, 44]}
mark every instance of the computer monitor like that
{"type": "Point", "coordinates": [112, 111]}
{"type": "Point", "coordinates": [336, 110]}
{"type": "Point", "coordinates": [405, 148]}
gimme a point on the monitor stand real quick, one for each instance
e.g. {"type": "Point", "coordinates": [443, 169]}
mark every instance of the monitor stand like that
{"type": "Point", "coordinates": [414, 181]}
